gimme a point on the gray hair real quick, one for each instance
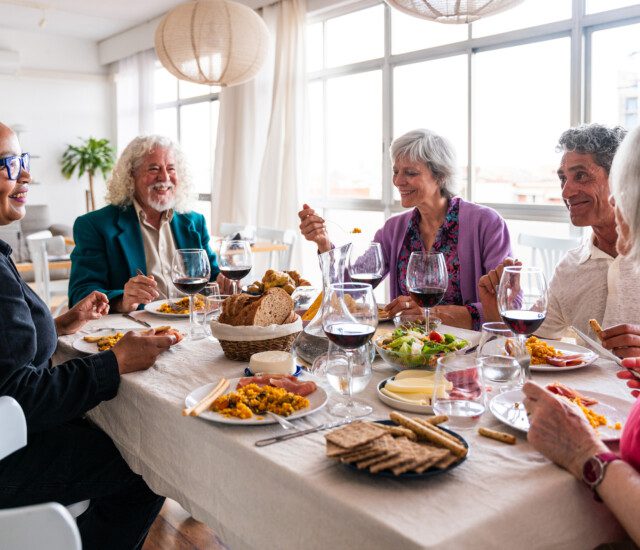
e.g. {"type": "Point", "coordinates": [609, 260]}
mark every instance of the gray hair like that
{"type": "Point", "coordinates": [121, 184]}
{"type": "Point", "coordinates": [432, 150]}
{"type": "Point", "coordinates": [625, 188]}
{"type": "Point", "coordinates": [595, 139]}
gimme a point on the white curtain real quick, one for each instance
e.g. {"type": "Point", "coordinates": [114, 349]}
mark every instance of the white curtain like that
{"type": "Point", "coordinates": [257, 161]}
{"type": "Point", "coordinates": [134, 77]}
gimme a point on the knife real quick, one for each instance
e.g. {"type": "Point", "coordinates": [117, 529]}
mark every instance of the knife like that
{"type": "Point", "coordinates": [284, 437]}
{"type": "Point", "coordinates": [132, 318]}
{"type": "Point", "coordinates": [598, 348]}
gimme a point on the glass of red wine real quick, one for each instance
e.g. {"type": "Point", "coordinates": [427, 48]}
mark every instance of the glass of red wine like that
{"type": "Point", "coordinates": [235, 260]}
{"type": "Point", "coordinates": [366, 263]}
{"type": "Point", "coordinates": [190, 273]}
{"type": "Point", "coordinates": [522, 302]}
{"type": "Point", "coordinates": [427, 279]}
{"type": "Point", "coordinates": [349, 319]}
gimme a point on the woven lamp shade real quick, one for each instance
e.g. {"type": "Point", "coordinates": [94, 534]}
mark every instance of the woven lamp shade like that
{"type": "Point", "coordinates": [452, 11]}
{"type": "Point", "coordinates": [215, 42]}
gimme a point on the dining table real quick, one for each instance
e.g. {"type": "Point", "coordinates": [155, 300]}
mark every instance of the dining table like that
{"type": "Point", "coordinates": [289, 495]}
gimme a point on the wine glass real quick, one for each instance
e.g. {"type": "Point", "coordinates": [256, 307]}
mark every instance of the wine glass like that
{"type": "Point", "coordinates": [366, 263]}
{"type": "Point", "coordinates": [499, 365]}
{"type": "Point", "coordinates": [522, 302]}
{"type": "Point", "coordinates": [459, 391]}
{"type": "Point", "coordinates": [427, 279]}
{"type": "Point", "coordinates": [190, 272]}
{"type": "Point", "coordinates": [349, 319]}
{"type": "Point", "coordinates": [235, 260]}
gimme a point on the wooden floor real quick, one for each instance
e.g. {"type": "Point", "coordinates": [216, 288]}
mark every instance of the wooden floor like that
{"type": "Point", "coordinates": [175, 529]}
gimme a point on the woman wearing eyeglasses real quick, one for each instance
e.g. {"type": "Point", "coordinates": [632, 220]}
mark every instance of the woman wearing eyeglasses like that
{"type": "Point", "coordinates": [66, 458]}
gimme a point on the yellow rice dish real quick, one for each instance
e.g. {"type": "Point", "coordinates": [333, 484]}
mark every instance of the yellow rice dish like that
{"type": "Point", "coordinates": [540, 350]}
{"type": "Point", "coordinates": [181, 306]}
{"type": "Point", "coordinates": [253, 399]}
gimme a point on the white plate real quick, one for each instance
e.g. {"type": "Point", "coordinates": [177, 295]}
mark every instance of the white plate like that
{"type": "Point", "coordinates": [567, 349]}
{"type": "Point", "coordinates": [317, 400]}
{"type": "Point", "coordinates": [91, 347]}
{"type": "Point", "coordinates": [153, 307]}
{"type": "Point", "coordinates": [503, 407]}
{"type": "Point", "coordinates": [401, 405]}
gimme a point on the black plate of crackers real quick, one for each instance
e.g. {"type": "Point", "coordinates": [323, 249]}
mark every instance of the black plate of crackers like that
{"type": "Point", "coordinates": [421, 460]}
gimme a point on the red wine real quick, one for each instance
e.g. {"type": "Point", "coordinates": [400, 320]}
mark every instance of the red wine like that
{"type": "Point", "coordinates": [349, 335]}
{"type": "Point", "coordinates": [427, 296]}
{"type": "Point", "coordinates": [373, 280]}
{"type": "Point", "coordinates": [190, 285]}
{"type": "Point", "coordinates": [235, 273]}
{"type": "Point", "coordinates": [523, 322]}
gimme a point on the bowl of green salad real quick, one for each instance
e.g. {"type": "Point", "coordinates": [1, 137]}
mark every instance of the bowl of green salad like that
{"type": "Point", "coordinates": [411, 347]}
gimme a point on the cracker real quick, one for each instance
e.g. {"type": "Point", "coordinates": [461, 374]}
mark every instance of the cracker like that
{"type": "Point", "coordinates": [399, 431]}
{"type": "Point", "coordinates": [364, 455]}
{"type": "Point", "coordinates": [355, 434]}
{"type": "Point", "coordinates": [446, 461]}
{"type": "Point", "coordinates": [390, 463]}
{"type": "Point", "coordinates": [435, 458]}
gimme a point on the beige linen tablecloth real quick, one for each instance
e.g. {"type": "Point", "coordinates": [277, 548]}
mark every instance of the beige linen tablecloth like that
{"type": "Point", "coordinates": [288, 495]}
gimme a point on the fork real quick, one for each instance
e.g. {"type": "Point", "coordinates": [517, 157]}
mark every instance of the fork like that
{"type": "Point", "coordinates": [281, 420]}
{"type": "Point", "coordinates": [175, 307]}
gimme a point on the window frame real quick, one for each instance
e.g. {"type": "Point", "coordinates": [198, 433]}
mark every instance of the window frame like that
{"type": "Point", "coordinates": [579, 28]}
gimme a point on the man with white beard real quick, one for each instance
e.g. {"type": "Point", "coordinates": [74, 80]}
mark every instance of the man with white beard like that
{"type": "Point", "coordinates": [126, 248]}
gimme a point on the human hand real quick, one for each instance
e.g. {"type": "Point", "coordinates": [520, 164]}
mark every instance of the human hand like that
{"type": "Point", "coordinates": [559, 430]}
{"type": "Point", "coordinates": [225, 284]}
{"type": "Point", "coordinates": [454, 316]}
{"type": "Point", "coordinates": [487, 288]}
{"type": "Point", "coordinates": [313, 228]}
{"type": "Point", "coordinates": [138, 350]}
{"type": "Point", "coordinates": [403, 304]}
{"type": "Point", "coordinates": [93, 306]}
{"type": "Point", "coordinates": [141, 289]}
{"type": "Point", "coordinates": [634, 364]}
{"type": "Point", "coordinates": [623, 340]}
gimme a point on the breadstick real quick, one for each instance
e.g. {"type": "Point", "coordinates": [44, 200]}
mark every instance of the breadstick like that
{"type": "Point", "coordinates": [430, 426]}
{"type": "Point", "coordinates": [438, 419]}
{"type": "Point", "coordinates": [595, 327]}
{"type": "Point", "coordinates": [429, 434]}
{"type": "Point", "coordinates": [397, 431]}
{"type": "Point", "coordinates": [164, 328]}
{"type": "Point", "coordinates": [207, 400]}
{"type": "Point", "coordinates": [498, 436]}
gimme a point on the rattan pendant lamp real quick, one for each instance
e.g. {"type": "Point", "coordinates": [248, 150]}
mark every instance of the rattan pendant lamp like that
{"type": "Point", "coordinates": [215, 42]}
{"type": "Point", "coordinates": [452, 11]}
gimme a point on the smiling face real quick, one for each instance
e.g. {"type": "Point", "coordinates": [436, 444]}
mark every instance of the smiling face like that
{"type": "Point", "coordinates": [13, 193]}
{"type": "Point", "coordinates": [415, 182]}
{"type": "Point", "coordinates": [585, 190]}
{"type": "Point", "coordinates": [156, 180]}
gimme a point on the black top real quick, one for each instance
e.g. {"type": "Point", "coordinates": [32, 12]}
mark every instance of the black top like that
{"type": "Point", "coordinates": [48, 395]}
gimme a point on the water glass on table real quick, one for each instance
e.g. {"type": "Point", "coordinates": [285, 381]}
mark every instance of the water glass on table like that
{"type": "Point", "coordinates": [497, 350]}
{"type": "Point", "coordinates": [211, 305]}
{"type": "Point", "coordinates": [459, 390]}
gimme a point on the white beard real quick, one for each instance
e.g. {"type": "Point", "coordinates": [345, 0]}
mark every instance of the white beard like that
{"type": "Point", "coordinates": [165, 203]}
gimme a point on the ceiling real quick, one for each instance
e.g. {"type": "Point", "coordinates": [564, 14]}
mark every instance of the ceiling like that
{"type": "Point", "coordinates": [88, 19]}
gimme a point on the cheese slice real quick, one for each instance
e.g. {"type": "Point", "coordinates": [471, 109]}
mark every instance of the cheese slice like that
{"type": "Point", "coordinates": [414, 373]}
{"type": "Point", "coordinates": [414, 385]}
{"type": "Point", "coordinates": [272, 362]}
{"type": "Point", "coordinates": [413, 398]}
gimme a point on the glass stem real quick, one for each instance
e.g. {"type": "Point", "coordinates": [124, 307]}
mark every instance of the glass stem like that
{"type": "Point", "coordinates": [234, 286]}
{"type": "Point", "coordinates": [427, 314]}
{"type": "Point", "coordinates": [192, 320]}
{"type": "Point", "coordinates": [525, 357]}
{"type": "Point", "coordinates": [350, 403]}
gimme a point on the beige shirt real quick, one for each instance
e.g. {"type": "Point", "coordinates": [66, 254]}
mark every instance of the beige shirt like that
{"type": "Point", "coordinates": [159, 249]}
{"type": "Point", "coordinates": [590, 284]}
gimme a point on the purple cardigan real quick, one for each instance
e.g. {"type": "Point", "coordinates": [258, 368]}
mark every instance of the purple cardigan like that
{"type": "Point", "coordinates": [483, 242]}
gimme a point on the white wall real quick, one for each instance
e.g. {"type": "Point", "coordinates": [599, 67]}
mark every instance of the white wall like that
{"type": "Point", "coordinates": [60, 93]}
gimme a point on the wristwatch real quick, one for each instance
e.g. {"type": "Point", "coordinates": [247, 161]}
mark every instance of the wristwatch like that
{"type": "Point", "coordinates": [594, 469]}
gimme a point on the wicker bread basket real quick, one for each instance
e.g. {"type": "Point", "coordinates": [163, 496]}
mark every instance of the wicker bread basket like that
{"type": "Point", "coordinates": [240, 343]}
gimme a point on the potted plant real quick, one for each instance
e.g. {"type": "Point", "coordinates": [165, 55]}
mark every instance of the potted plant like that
{"type": "Point", "coordinates": [91, 156]}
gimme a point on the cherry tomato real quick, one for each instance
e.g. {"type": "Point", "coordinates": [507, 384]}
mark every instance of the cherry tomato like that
{"type": "Point", "coordinates": [436, 337]}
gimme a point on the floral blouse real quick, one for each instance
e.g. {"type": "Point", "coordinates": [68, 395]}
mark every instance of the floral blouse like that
{"type": "Point", "coordinates": [446, 242]}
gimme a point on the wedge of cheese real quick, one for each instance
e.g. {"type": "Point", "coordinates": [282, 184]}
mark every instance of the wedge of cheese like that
{"type": "Point", "coordinates": [413, 398]}
{"type": "Point", "coordinates": [415, 373]}
{"type": "Point", "coordinates": [414, 385]}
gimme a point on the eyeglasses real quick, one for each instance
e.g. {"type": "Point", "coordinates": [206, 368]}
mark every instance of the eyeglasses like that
{"type": "Point", "coordinates": [14, 164]}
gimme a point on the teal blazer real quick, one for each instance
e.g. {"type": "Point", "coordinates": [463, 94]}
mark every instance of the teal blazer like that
{"type": "Point", "coordinates": [109, 249]}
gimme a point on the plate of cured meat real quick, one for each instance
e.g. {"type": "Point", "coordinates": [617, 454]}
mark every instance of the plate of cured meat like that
{"type": "Point", "coordinates": [554, 355]}
{"type": "Point", "coordinates": [605, 413]}
{"type": "Point", "coordinates": [246, 399]}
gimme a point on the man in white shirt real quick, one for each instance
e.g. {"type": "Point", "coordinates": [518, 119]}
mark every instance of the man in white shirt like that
{"type": "Point", "coordinates": [590, 282]}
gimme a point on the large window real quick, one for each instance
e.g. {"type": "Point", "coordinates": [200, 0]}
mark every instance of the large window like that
{"type": "Point", "coordinates": [502, 90]}
{"type": "Point", "coordinates": [188, 114]}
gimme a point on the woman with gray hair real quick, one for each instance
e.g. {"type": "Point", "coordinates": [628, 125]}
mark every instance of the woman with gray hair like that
{"type": "Point", "coordinates": [472, 238]}
{"type": "Point", "coordinates": [558, 429]}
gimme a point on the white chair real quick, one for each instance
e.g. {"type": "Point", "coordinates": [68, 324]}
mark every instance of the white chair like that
{"type": "Point", "coordinates": [43, 248]}
{"type": "Point", "coordinates": [35, 527]}
{"type": "Point", "coordinates": [549, 249]}
{"type": "Point", "coordinates": [280, 259]}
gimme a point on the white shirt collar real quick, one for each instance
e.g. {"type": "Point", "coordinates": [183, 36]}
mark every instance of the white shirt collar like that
{"type": "Point", "coordinates": [591, 252]}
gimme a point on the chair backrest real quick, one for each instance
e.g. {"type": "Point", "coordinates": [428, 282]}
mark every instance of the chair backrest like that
{"type": "Point", "coordinates": [247, 231]}
{"type": "Point", "coordinates": [280, 259]}
{"type": "Point", "coordinates": [550, 250]}
{"type": "Point", "coordinates": [13, 426]}
{"type": "Point", "coordinates": [42, 246]}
